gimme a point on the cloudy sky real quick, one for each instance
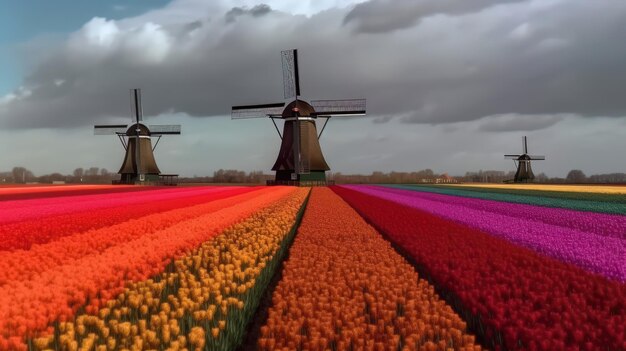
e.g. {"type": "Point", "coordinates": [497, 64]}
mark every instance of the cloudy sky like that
{"type": "Point", "coordinates": [451, 85]}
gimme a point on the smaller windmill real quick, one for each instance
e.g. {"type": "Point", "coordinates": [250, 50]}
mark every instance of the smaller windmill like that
{"type": "Point", "coordinates": [524, 172]}
{"type": "Point", "coordinates": [139, 165]}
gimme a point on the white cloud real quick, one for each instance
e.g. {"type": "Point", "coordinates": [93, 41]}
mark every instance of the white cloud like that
{"type": "Point", "coordinates": [522, 31]}
{"type": "Point", "coordinates": [147, 44]}
{"type": "Point", "coordinates": [99, 32]}
{"type": "Point", "coordinates": [19, 94]}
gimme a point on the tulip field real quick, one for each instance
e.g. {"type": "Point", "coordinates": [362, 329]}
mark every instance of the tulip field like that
{"type": "Point", "coordinates": [522, 276]}
{"type": "Point", "coordinates": [349, 267]}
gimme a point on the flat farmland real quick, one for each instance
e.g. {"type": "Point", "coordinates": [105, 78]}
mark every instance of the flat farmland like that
{"type": "Point", "coordinates": [349, 267]}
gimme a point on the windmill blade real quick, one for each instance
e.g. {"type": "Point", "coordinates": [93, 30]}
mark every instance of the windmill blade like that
{"type": "Point", "coordinates": [291, 76]}
{"type": "Point", "coordinates": [111, 129]}
{"type": "Point", "coordinates": [347, 107]}
{"type": "Point", "coordinates": [515, 157]}
{"type": "Point", "coordinates": [136, 107]}
{"type": "Point", "coordinates": [539, 158]}
{"type": "Point", "coordinates": [257, 111]}
{"type": "Point", "coordinates": [164, 129]}
{"type": "Point", "coordinates": [525, 144]}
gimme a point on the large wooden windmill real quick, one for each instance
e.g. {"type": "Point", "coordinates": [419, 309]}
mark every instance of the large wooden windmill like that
{"type": "Point", "coordinates": [524, 172]}
{"type": "Point", "coordinates": [300, 160]}
{"type": "Point", "coordinates": [139, 165]}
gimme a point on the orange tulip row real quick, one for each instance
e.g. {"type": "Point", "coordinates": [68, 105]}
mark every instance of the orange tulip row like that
{"type": "Point", "coordinates": [28, 307]}
{"type": "Point", "coordinates": [202, 300]}
{"type": "Point", "coordinates": [22, 265]}
{"type": "Point", "coordinates": [344, 287]}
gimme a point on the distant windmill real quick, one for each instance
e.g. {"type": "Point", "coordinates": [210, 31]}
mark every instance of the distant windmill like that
{"type": "Point", "coordinates": [524, 172]}
{"type": "Point", "coordinates": [300, 160]}
{"type": "Point", "coordinates": [139, 164]}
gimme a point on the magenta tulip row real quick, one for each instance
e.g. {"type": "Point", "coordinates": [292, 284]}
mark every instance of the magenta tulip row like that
{"type": "Point", "coordinates": [596, 252]}
{"type": "Point", "coordinates": [20, 210]}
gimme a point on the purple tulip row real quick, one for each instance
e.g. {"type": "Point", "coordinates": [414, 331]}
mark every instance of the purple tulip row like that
{"type": "Point", "coordinates": [592, 222]}
{"type": "Point", "coordinates": [583, 246]}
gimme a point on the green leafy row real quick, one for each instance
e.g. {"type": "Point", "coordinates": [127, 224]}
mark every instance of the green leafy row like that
{"type": "Point", "coordinates": [593, 202]}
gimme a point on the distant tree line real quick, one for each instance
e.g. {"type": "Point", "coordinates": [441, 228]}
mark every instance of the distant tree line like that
{"type": "Point", "coordinates": [96, 175]}
{"type": "Point", "coordinates": [574, 176]}
{"type": "Point", "coordinates": [90, 175]}
{"type": "Point", "coordinates": [230, 176]}
{"type": "Point", "coordinates": [423, 176]}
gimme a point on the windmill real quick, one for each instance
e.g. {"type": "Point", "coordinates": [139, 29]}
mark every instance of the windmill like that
{"type": "Point", "coordinates": [524, 172]}
{"type": "Point", "coordinates": [300, 160]}
{"type": "Point", "coordinates": [139, 165]}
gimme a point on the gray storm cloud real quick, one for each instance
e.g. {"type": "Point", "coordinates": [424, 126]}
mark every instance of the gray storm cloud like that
{"type": "Point", "coordinates": [380, 16]}
{"type": "Point", "coordinates": [513, 122]}
{"type": "Point", "coordinates": [256, 11]}
{"type": "Point", "coordinates": [452, 61]}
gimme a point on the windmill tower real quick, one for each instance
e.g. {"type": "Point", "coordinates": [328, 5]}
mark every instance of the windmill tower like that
{"type": "Point", "coordinates": [300, 160]}
{"type": "Point", "coordinates": [139, 165]}
{"type": "Point", "coordinates": [524, 172]}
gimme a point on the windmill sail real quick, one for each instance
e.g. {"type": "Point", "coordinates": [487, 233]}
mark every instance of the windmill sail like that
{"type": "Point", "coordinates": [291, 78]}
{"type": "Point", "coordinates": [110, 129]}
{"type": "Point", "coordinates": [137, 109]}
{"type": "Point", "coordinates": [164, 129]}
{"type": "Point", "coordinates": [346, 107]}
{"type": "Point", "coordinates": [525, 144]}
{"type": "Point", "coordinates": [257, 111]}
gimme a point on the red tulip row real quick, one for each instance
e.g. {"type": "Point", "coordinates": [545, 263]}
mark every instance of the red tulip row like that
{"type": "Point", "coordinates": [515, 297]}
{"type": "Point", "coordinates": [23, 234]}
{"type": "Point", "coordinates": [85, 271]}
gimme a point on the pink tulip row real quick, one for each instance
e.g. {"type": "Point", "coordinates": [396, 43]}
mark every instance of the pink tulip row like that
{"type": "Point", "coordinates": [23, 234]}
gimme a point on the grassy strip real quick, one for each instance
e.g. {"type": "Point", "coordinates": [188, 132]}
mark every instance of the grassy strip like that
{"type": "Point", "coordinates": [573, 201]}
{"type": "Point", "coordinates": [249, 338]}
{"type": "Point", "coordinates": [557, 194]}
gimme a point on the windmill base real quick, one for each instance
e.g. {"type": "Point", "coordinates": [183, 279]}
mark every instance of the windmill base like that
{"type": "Point", "coordinates": [148, 179]}
{"type": "Point", "coordinates": [314, 178]}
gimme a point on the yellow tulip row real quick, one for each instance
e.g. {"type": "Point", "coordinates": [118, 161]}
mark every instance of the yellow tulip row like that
{"type": "Point", "coordinates": [202, 301]}
{"type": "Point", "coordinates": [602, 189]}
